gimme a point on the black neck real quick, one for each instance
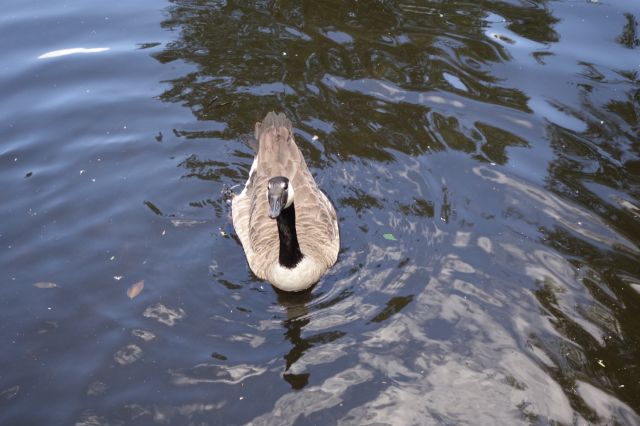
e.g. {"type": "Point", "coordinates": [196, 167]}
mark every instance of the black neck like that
{"type": "Point", "coordinates": [290, 253]}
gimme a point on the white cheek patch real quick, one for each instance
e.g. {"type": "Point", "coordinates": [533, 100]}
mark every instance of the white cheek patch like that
{"type": "Point", "coordinates": [289, 195]}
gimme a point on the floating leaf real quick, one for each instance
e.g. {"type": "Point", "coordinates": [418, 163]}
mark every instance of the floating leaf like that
{"type": "Point", "coordinates": [44, 284]}
{"type": "Point", "coordinates": [135, 289]}
{"type": "Point", "coordinates": [389, 237]}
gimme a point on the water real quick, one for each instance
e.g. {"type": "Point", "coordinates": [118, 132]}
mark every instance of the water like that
{"type": "Point", "coordinates": [496, 142]}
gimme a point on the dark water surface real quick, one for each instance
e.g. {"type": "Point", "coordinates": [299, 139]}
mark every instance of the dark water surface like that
{"type": "Point", "coordinates": [484, 159]}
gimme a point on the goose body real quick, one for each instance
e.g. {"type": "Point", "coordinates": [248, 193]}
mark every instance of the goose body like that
{"type": "Point", "coordinates": [287, 226]}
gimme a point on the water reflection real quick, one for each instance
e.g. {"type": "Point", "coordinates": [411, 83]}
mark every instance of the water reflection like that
{"type": "Point", "coordinates": [629, 37]}
{"type": "Point", "coordinates": [485, 170]}
{"type": "Point", "coordinates": [297, 310]}
{"type": "Point", "coordinates": [300, 58]}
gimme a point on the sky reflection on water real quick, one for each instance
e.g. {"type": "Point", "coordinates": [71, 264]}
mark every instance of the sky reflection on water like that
{"type": "Point", "coordinates": [495, 142]}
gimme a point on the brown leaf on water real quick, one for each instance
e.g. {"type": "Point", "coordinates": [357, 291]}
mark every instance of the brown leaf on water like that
{"type": "Point", "coordinates": [135, 289]}
{"type": "Point", "coordinates": [44, 284]}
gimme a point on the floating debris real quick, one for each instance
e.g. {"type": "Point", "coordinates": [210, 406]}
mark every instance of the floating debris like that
{"type": "Point", "coordinates": [45, 284]}
{"type": "Point", "coordinates": [135, 289]}
{"type": "Point", "coordinates": [186, 222]}
{"type": "Point", "coordinates": [153, 207]}
{"type": "Point", "coordinates": [218, 356]}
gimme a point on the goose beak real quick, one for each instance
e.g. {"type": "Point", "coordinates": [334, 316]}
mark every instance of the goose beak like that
{"type": "Point", "coordinates": [275, 206]}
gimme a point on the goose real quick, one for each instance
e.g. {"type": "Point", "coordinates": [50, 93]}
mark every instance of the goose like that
{"type": "Point", "coordinates": [287, 226]}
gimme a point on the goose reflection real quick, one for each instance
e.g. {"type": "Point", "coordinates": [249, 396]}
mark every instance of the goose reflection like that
{"type": "Point", "coordinates": [298, 309]}
{"type": "Point", "coordinates": [296, 305]}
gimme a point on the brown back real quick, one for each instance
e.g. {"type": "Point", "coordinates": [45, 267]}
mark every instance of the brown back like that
{"type": "Point", "coordinates": [316, 222]}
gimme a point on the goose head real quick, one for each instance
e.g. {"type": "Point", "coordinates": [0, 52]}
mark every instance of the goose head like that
{"type": "Point", "coordinates": [280, 195]}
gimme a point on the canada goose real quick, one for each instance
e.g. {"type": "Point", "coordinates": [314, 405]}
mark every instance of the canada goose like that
{"type": "Point", "coordinates": [287, 226]}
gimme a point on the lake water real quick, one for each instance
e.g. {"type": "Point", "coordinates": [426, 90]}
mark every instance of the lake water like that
{"type": "Point", "coordinates": [483, 157]}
